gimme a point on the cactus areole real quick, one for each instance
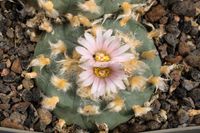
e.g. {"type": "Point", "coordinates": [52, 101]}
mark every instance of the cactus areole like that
{"type": "Point", "coordinates": [90, 78]}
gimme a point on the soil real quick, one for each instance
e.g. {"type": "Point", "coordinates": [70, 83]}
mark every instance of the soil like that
{"type": "Point", "coordinates": [180, 44]}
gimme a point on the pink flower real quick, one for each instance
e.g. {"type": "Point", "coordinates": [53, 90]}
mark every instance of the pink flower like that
{"type": "Point", "coordinates": [103, 80]}
{"type": "Point", "coordinates": [103, 49]}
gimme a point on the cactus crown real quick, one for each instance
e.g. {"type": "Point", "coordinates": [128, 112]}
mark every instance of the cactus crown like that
{"type": "Point", "coordinates": [95, 73]}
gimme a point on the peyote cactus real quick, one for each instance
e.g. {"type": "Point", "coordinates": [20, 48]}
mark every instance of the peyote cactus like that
{"type": "Point", "coordinates": [97, 75]}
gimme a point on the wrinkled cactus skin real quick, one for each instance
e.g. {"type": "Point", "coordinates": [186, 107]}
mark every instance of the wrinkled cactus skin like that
{"type": "Point", "coordinates": [69, 101]}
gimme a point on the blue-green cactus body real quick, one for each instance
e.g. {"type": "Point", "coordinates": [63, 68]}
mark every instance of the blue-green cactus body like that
{"type": "Point", "coordinates": [69, 101]}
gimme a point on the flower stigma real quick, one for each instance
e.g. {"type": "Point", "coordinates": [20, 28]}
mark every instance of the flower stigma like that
{"type": "Point", "coordinates": [102, 72]}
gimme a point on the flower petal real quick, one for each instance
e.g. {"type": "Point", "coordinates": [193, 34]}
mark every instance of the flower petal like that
{"type": "Point", "coordinates": [95, 86]}
{"type": "Point", "coordinates": [113, 45]}
{"type": "Point", "coordinates": [110, 85]}
{"type": "Point", "coordinates": [119, 83]}
{"type": "Point", "coordinates": [121, 50]}
{"type": "Point", "coordinates": [83, 51]}
{"type": "Point", "coordinates": [88, 81]}
{"type": "Point", "coordinates": [87, 45]}
{"type": "Point", "coordinates": [99, 39]}
{"type": "Point", "coordinates": [101, 88]}
{"type": "Point", "coordinates": [123, 58]}
{"type": "Point", "coordinates": [107, 42]}
{"type": "Point", "coordinates": [85, 75]}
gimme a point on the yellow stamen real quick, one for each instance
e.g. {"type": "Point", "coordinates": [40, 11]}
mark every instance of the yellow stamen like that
{"type": "Point", "coordinates": [102, 57]}
{"type": "Point", "coordinates": [102, 72]}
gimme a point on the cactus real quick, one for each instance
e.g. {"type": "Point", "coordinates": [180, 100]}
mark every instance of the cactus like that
{"type": "Point", "coordinates": [58, 70]}
{"type": "Point", "coordinates": [122, 61]}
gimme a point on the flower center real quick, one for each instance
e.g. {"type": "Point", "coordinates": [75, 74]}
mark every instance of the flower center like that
{"type": "Point", "coordinates": [101, 56]}
{"type": "Point", "coordinates": [102, 72]}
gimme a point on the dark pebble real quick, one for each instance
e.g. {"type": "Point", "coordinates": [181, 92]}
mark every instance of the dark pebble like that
{"type": "Point", "coordinates": [155, 13]}
{"type": "Point", "coordinates": [20, 107]}
{"type": "Point", "coordinates": [2, 66]}
{"type": "Point", "coordinates": [136, 127]}
{"type": "Point", "coordinates": [171, 39]}
{"type": "Point", "coordinates": [148, 116]}
{"type": "Point", "coordinates": [197, 42]}
{"type": "Point", "coordinates": [180, 92]}
{"type": "Point", "coordinates": [9, 78]}
{"type": "Point", "coordinates": [197, 119]}
{"type": "Point", "coordinates": [168, 2]}
{"type": "Point", "coordinates": [195, 94]}
{"type": "Point", "coordinates": [123, 128]}
{"type": "Point", "coordinates": [197, 104]}
{"type": "Point", "coordinates": [27, 95]}
{"type": "Point", "coordinates": [185, 8]}
{"type": "Point", "coordinates": [4, 98]}
{"type": "Point", "coordinates": [4, 89]}
{"type": "Point", "coordinates": [186, 26]}
{"type": "Point", "coordinates": [155, 106]}
{"type": "Point", "coordinates": [198, 19]}
{"type": "Point", "coordinates": [1, 54]}
{"type": "Point", "coordinates": [188, 102]}
{"type": "Point", "coordinates": [194, 31]}
{"type": "Point", "coordinates": [36, 95]}
{"type": "Point", "coordinates": [2, 116]}
{"type": "Point", "coordinates": [183, 48]}
{"type": "Point", "coordinates": [153, 125]}
{"type": "Point", "coordinates": [23, 51]}
{"type": "Point", "coordinates": [18, 117]}
{"type": "Point", "coordinates": [165, 105]}
{"type": "Point", "coordinates": [189, 85]}
{"type": "Point", "coordinates": [193, 60]}
{"type": "Point", "coordinates": [195, 74]}
{"type": "Point", "coordinates": [182, 116]}
{"type": "Point", "coordinates": [173, 28]}
{"type": "Point", "coordinates": [4, 106]}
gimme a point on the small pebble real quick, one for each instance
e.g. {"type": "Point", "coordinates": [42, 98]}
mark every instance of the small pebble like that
{"type": "Point", "coordinates": [183, 116]}
{"type": "Point", "coordinates": [197, 119]}
{"type": "Point", "coordinates": [189, 85]}
{"type": "Point", "coordinates": [194, 94]}
{"type": "Point", "coordinates": [171, 39]}
{"type": "Point", "coordinates": [16, 66]}
{"type": "Point", "coordinates": [45, 116]}
{"type": "Point", "coordinates": [153, 125]}
{"type": "Point", "coordinates": [136, 127]}
{"type": "Point", "coordinates": [27, 84]}
{"type": "Point", "coordinates": [185, 7]}
{"type": "Point", "coordinates": [155, 13]}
